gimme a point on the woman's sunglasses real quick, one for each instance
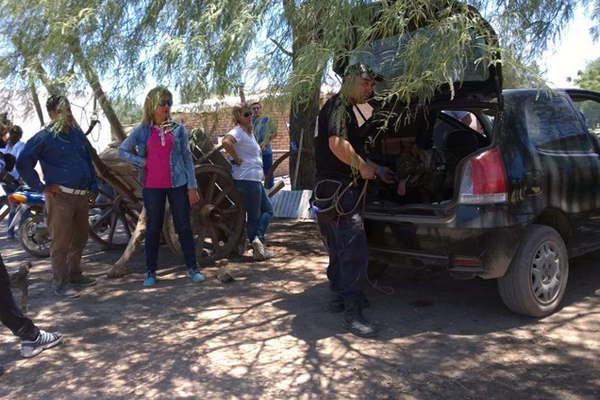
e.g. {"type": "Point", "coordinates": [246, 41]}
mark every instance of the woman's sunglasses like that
{"type": "Point", "coordinates": [165, 102]}
{"type": "Point", "coordinates": [247, 114]}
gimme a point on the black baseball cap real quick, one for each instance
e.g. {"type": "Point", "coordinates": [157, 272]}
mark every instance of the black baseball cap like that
{"type": "Point", "coordinates": [362, 70]}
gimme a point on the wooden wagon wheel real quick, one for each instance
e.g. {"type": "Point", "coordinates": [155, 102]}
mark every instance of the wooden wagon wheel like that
{"type": "Point", "coordinates": [276, 164]}
{"type": "Point", "coordinates": [217, 219]}
{"type": "Point", "coordinates": [113, 218]}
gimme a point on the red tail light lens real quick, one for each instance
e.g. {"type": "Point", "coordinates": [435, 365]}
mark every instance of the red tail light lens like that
{"type": "Point", "coordinates": [484, 179]}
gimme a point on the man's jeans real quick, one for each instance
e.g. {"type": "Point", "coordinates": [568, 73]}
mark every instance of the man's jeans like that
{"type": "Point", "coordinates": [346, 244]}
{"type": "Point", "coordinates": [258, 208]}
{"type": "Point", "coordinates": [154, 201]}
{"type": "Point", "coordinates": [10, 314]}
{"type": "Point", "coordinates": [267, 159]}
{"type": "Point", "coordinates": [68, 226]}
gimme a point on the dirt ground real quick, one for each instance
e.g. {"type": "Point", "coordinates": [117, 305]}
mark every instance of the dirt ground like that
{"type": "Point", "coordinates": [268, 335]}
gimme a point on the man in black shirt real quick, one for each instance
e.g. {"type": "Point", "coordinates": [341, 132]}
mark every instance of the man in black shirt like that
{"type": "Point", "coordinates": [341, 170]}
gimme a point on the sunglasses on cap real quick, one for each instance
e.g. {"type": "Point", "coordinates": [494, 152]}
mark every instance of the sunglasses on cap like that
{"type": "Point", "coordinates": [165, 102]}
{"type": "Point", "coordinates": [247, 114]}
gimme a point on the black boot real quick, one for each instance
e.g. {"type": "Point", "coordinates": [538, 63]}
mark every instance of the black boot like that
{"type": "Point", "coordinates": [355, 321]}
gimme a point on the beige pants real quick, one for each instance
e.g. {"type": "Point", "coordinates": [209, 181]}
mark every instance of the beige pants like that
{"type": "Point", "coordinates": [68, 226]}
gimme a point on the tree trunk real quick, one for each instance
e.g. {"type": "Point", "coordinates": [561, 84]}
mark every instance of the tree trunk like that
{"type": "Point", "coordinates": [94, 82]}
{"type": "Point", "coordinates": [304, 110]}
{"type": "Point", "coordinates": [303, 115]}
{"type": "Point", "coordinates": [36, 102]}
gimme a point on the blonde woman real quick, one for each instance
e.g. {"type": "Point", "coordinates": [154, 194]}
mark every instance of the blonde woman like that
{"type": "Point", "coordinates": [160, 147]}
{"type": "Point", "coordinates": [247, 173]}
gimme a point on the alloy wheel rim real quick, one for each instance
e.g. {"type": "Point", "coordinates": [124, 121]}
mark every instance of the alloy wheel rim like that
{"type": "Point", "coordinates": [546, 273]}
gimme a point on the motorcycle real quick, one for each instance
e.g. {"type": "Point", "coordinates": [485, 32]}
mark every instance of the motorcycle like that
{"type": "Point", "coordinates": [30, 222]}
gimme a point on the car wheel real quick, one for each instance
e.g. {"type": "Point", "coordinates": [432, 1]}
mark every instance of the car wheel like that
{"type": "Point", "coordinates": [536, 279]}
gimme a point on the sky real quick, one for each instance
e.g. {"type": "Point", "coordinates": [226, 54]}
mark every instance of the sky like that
{"type": "Point", "coordinates": [574, 49]}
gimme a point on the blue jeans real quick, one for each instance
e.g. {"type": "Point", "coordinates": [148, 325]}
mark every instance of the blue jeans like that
{"type": "Point", "coordinates": [346, 244]}
{"type": "Point", "coordinates": [154, 201]}
{"type": "Point", "coordinates": [258, 208]}
{"type": "Point", "coordinates": [267, 159]}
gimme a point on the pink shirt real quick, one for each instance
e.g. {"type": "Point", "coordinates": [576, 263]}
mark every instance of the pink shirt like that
{"type": "Point", "coordinates": [157, 171]}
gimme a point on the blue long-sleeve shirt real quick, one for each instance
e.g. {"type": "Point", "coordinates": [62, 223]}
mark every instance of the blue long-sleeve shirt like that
{"type": "Point", "coordinates": [64, 158]}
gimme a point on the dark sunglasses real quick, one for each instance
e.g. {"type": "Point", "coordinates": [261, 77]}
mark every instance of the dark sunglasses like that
{"type": "Point", "coordinates": [165, 102]}
{"type": "Point", "coordinates": [247, 114]}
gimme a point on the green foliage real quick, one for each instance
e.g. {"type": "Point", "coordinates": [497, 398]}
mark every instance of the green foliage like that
{"type": "Point", "coordinates": [589, 78]}
{"type": "Point", "coordinates": [128, 111]}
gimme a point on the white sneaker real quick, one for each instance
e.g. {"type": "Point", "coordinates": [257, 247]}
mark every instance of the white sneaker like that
{"type": "Point", "coordinates": [258, 250]}
{"type": "Point", "coordinates": [45, 340]}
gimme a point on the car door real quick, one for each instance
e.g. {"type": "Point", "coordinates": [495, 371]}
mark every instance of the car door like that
{"type": "Point", "coordinates": [587, 104]}
{"type": "Point", "coordinates": [567, 156]}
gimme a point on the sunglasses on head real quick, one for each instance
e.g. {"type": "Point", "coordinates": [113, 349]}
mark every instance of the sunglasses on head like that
{"type": "Point", "coordinates": [247, 114]}
{"type": "Point", "coordinates": [165, 102]}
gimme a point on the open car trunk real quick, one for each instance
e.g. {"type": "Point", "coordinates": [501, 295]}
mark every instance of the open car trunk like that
{"type": "Point", "coordinates": [426, 156]}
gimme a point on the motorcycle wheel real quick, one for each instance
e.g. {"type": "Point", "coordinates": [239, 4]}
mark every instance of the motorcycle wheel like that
{"type": "Point", "coordinates": [34, 241]}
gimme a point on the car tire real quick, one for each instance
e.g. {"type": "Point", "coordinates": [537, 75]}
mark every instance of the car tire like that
{"type": "Point", "coordinates": [536, 279]}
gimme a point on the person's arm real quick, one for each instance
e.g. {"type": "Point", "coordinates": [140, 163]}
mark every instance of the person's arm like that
{"type": "Point", "coordinates": [337, 128]}
{"type": "Point", "coordinates": [28, 159]}
{"type": "Point", "coordinates": [229, 145]}
{"type": "Point", "coordinates": [127, 149]}
{"type": "Point", "coordinates": [270, 135]}
{"type": "Point", "coordinates": [188, 160]}
{"type": "Point", "coordinates": [88, 152]}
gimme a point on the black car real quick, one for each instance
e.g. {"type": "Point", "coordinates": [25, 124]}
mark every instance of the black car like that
{"type": "Point", "coordinates": [491, 183]}
{"type": "Point", "coordinates": [513, 199]}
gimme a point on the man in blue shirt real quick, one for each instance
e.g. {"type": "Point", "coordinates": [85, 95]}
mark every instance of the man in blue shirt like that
{"type": "Point", "coordinates": [61, 148]}
{"type": "Point", "coordinates": [264, 131]}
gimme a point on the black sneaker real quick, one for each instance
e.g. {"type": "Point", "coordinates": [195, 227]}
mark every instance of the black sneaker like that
{"type": "Point", "coordinates": [66, 291]}
{"type": "Point", "coordinates": [356, 323]}
{"type": "Point", "coordinates": [45, 340]}
{"type": "Point", "coordinates": [84, 281]}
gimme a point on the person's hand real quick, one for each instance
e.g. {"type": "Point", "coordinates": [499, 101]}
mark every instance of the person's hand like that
{"type": "Point", "coordinates": [193, 196]}
{"type": "Point", "coordinates": [385, 174]}
{"type": "Point", "coordinates": [367, 170]}
{"type": "Point", "coordinates": [51, 190]}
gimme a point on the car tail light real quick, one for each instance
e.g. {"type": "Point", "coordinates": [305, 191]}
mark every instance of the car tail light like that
{"type": "Point", "coordinates": [484, 179]}
{"type": "Point", "coordinates": [15, 198]}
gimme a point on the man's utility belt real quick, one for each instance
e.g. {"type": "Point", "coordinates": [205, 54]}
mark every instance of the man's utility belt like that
{"type": "Point", "coordinates": [76, 192]}
{"type": "Point", "coordinates": [338, 198]}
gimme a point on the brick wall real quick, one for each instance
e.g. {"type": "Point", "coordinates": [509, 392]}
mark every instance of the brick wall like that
{"type": "Point", "coordinates": [220, 122]}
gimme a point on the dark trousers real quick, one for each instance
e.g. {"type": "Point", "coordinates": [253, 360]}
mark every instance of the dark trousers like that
{"type": "Point", "coordinates": [154, 201]}
{"type": "Point", "coordinates": [258, 208]}
{"type": "Point", "coordinates": [10, 314]}
{"type": "Point", "coordinates": [346, 243]}
{"type": "Point", "coordinates": [267, 159]}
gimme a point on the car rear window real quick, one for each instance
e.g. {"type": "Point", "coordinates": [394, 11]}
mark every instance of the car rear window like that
{"type": "Point", "coordinates": [552, 125]}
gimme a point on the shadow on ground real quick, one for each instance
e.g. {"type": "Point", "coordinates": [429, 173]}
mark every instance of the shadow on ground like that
{"type": "Point", "coordinates": [267, 335]}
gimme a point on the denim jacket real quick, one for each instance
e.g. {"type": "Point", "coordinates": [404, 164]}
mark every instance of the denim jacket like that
{"type": "Point", "coordinates": [133, 150]}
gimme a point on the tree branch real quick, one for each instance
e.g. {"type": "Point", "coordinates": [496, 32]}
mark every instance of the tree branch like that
{"type": "Point", "coordinates": [280, 47]}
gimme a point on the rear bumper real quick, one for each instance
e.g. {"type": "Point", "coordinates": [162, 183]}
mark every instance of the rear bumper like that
{"type": "Point", "coordinates": [473, 242]}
